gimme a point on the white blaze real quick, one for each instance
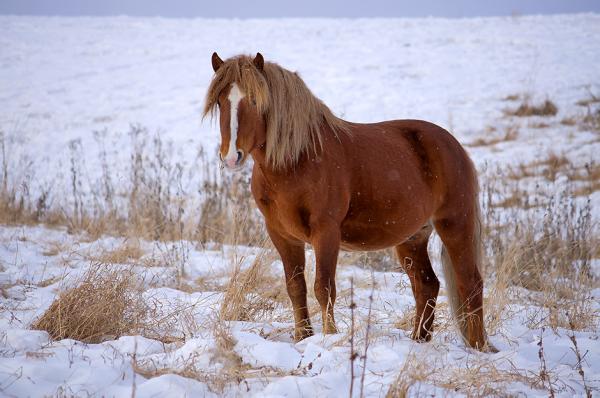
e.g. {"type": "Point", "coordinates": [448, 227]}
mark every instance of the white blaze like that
{"type": "Point", "coordinates": [235, 96]}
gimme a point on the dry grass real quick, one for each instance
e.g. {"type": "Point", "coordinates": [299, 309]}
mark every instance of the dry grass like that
{"type": "Point", "coordinates": [480, 376]}
{"type": "Point", "coordinates": [127, 253]}
{"type": "Point", "coordinates": [232, 371]}
{"type": "Point", "coordinates": [380, 260]}
{"type": "Point", "coordinates": [548, 253]}
{"type": "Point", "coordinates": [538, 125]}
{"type": "Point", "coordinates": [590, 100]}
{"type": "Point", "coordinates": [512, 97]}
{"type": "Point", "coordinates": [584, 179]}
{"type": "Point", "coordinates": [154, 197]}
{"type": "Point", "coordinates": [591, 121]}
{"type": "Point", "coordinates": [106, 303]}
{"type": "Point", "coordinates": [539, 252]}
{"type": "Point", "coordinates": [414, 371]}
{"type": "Point", "coordinates": [526, 109]}
{"type": "Point", "coordinates": [510, 134]}
{"type": "Point", "coordinates": [252, 294]}
{"type": "Point", "coordinates": [569, 121]}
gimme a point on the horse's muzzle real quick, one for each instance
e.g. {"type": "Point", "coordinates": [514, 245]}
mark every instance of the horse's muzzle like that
{"type": "Point", "coordinates": [233, 164]}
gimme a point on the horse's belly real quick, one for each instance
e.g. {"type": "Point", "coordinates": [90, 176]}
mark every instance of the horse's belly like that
{"type": "Point", "coordinates": [387, 221]}
{"type": "Point", "coordinates": [361, 237]}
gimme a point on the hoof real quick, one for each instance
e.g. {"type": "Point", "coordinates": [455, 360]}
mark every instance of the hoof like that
{"type": "Point", "coordinates": [330, 329]}
{"type": "Point", "coordinates": [489, 348]}
{"type": "Point", "coordinates": [422, 337]}
{"type": "Point", "coordinates": [303, 333]}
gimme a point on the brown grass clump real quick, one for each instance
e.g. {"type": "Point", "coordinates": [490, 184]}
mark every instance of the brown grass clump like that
{"type": "Point", "coordinates": [106, 304]}
{"type": "Point", "coordinates": [585, 179]}
{"type": "Point", "coordinates": [252, 294]}
{"type": "Point", "coordinates": [592, 120]}
{"type": "Point", "coordinates": [126, 253]}
{"type": "Point", "coordinates": [540, 125]}
{"type": "Point", "coordinates": [546, 108]}
{"type": "Point", "coordinates": [232, 372]}
{"type": "Point", "coordinates": [591, 99]}
{"type": "Point", "coordinates": [413, 372]}
{"type": "Point", "coordinates": [511, 97]}
{"type": "Point", "coordinates": [510, 134]}
{"type": "Point", "coordinates": [481, 377]}
{"type": "Point", "coordinates": [568, 121]}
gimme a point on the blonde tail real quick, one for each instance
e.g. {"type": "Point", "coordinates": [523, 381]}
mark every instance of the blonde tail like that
{"type": "Point", "coordinates": [457, 307]}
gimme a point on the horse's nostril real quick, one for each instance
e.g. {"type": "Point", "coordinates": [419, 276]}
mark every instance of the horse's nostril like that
{"type": "Point", "coordinates": [239, 156]}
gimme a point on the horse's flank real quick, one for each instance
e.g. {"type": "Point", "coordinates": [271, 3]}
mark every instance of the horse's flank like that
{"type": "Point", "coordinates": [294, 116]}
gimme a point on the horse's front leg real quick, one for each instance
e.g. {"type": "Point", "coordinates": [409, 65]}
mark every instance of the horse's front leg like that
{"type": "Point", "coordinates": [326, 243]}
{"type": "Point", "coordinates": [292, 256]}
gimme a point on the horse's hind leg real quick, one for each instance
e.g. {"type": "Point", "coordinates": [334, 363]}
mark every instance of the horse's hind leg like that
{"type": "Point", "coordinates": [413, 257]}
{"type": "Point", "coordinates": [460, 236]}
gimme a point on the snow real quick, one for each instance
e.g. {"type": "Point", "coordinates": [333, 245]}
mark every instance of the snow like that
{"type": "Point", "coordinates": [33, 364]}
{"type": "Point", "coordinates": [61, 79]}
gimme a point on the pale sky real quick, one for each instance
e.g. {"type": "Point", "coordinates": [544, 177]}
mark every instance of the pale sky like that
{"type": "Point", "coordinates": [297, 8]}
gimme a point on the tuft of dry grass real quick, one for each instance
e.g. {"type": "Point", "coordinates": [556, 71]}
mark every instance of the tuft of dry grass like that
{"type": "Point", "coordinates": [591, 99]}
{"type": "Point", "coordinates": [526, 109]}
{"type": "Point", "coordinates": [538, 125]}
{"type": "Point", "coordinates": [232, 371]}
{"type": "Point", "coordinates": [106, 303]}
{"type": "Point", "coordinates": [510, 134]}
{"type": "Point", "coordinates": [569, 121]}
{"type": "Point", "coordinates": [413, 372]}
{"type": "Point", "coordinates": [251, 293]}
{"type": "Point", "coordinates": [591, 120]}
{"type": "Point", "coordinates": [511, 97]}
{"type": "Point", "coordinates": [380, 260]}
{"type": "Point", "coordinates": [584, 179]}
{"type": "Point", "coordinates": [127, 253]}
{"type": "Point", "coordinates": [481, 376]}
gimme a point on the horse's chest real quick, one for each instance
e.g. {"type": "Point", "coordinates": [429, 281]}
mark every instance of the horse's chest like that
{"type": "Point", "coordinates": [285, 214]}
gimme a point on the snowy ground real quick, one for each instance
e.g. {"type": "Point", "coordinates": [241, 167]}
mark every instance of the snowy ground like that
{"type": "Point", "coordinates": [61, 79]}
{"type": "Point", "coordinates": [32, 365]}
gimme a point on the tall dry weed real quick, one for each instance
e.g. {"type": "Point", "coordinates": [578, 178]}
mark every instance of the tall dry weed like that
{"type": "Point", "coordinates": [152, 196]}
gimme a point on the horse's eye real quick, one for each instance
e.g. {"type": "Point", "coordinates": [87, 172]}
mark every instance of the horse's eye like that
{"type": "Point", "coordinates": [253, 101]}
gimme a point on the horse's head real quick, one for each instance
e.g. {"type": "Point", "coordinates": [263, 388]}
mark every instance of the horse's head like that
{"type": "Point", "coordinates": [241, 122]}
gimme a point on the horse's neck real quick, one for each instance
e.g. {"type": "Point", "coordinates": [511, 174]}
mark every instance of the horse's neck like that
{"type": "Point", "coordinates": [333, 148]}
{"type": "Point", "coordinates": [272, 177]}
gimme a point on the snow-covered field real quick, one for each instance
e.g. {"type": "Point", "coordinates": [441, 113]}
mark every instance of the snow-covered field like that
{"type": "Point", "coordinates": [61, 79]}
{"type": "Point", "coordinates": [38, 261]}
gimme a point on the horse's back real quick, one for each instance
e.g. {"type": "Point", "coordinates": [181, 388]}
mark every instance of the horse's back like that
{"type": "Point", "coordinates": [422, 146]}
{"type": "Point", "coordinates": [403, 173]}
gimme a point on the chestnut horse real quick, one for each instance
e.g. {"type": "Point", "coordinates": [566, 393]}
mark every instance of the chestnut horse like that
{"type": "Point", "coordinates": [335, 184]}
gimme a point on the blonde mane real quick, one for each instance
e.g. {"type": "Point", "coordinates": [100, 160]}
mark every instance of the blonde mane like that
{"type": "Point", "coordinates": [294, 116]}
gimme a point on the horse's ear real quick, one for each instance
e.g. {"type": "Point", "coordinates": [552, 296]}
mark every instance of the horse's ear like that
{"type": "Point", "coordinates": [216, 61]}
{"type": "Point", "coordinates": [259, 61]}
